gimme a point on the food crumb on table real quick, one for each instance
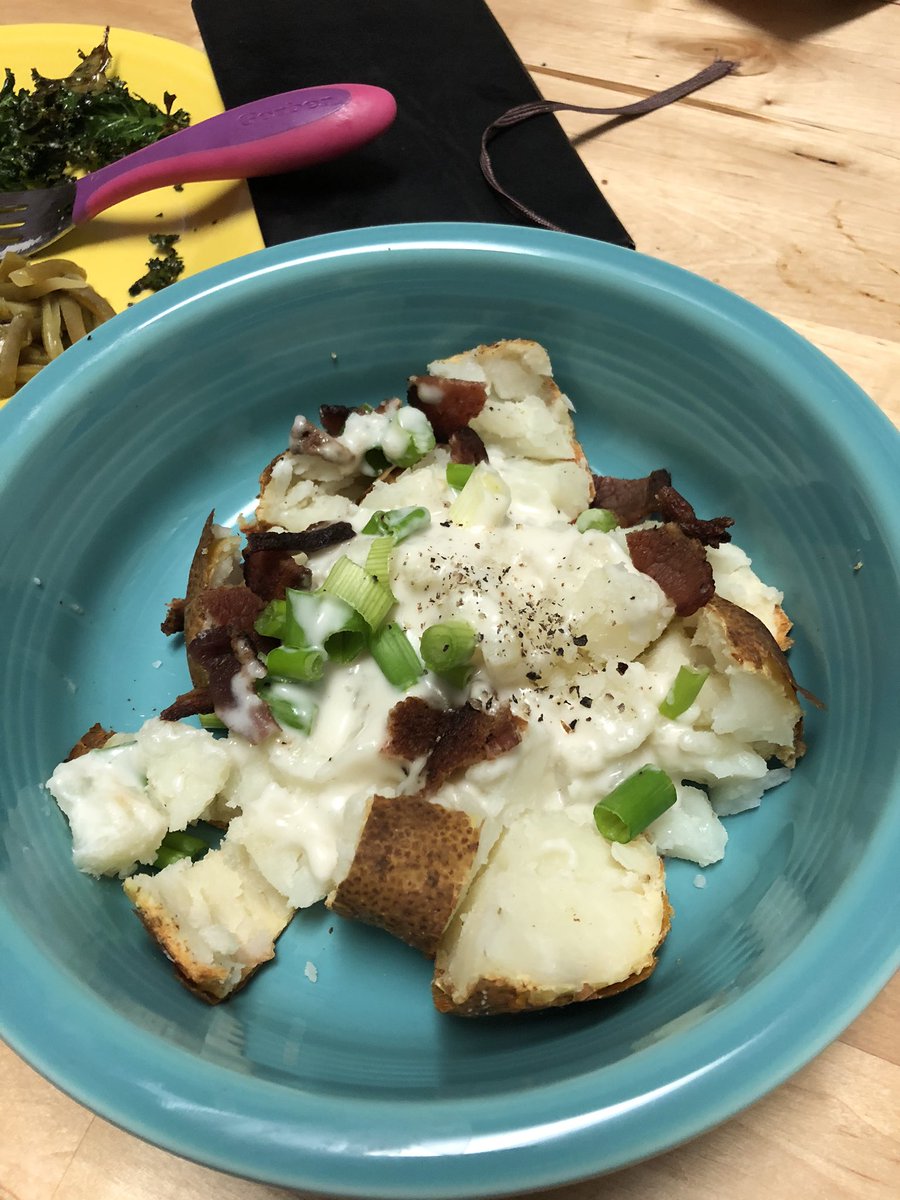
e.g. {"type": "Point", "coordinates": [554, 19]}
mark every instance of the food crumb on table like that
{"type": "Point", "coordinates": [311, 972]}
{"type": "Point", "coordinates": [699, 881]}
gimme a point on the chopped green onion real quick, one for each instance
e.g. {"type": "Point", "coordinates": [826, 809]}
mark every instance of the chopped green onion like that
{"type": "Point", "coordinates": [399, 523]}
{"type": "Point", "coordinates": [270, 622]}
{"type": "Point", "coordinates": [377, 460]}
{"type": "Point", "coordinates": [483, 501]}
{"type": "Point", "coordinates": [176, 846]}
{"type": "Point", "coordinates": [399, 663]}
{"type": "Point", "coordinates": [378, 561]}
{"type": "Point", "coordinates": [344, 645]}
{"type": "Point", "coordinates": [370, 598]}
{"type": "Point", "coordinates": [634, 804]}
{"type": "Point", "coordinates": [290, 705]}
{"type": "Point", "coordinates": [458, 474]}
{"type": "Point", "coordinates": [596, 518]}
{"type": "Point", "coordinates": [684, 691]}
{"type": "Point", "coordinates": [409, 437]}
{"type": "Point", "coordinates": [459, 677]}
{"type": "Point", "coordinates": [302, 663]}
{"type": "Point", "coordinates": [447, 645]}
{"type": "Point", "coordinates": [211, 721]}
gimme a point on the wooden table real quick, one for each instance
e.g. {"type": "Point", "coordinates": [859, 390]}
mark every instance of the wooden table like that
{"type": "Point", "coordinates": [783, 184]}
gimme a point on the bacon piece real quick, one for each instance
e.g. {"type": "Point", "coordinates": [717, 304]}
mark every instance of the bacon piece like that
{"type": "Point", "coordinates": [632, 500]}
{"type": "Point", "coordinates": [232, 668]}
{"type": "Point", "coordinates": [467, 447]}
{"type": "Point", "coordinates": [188, 704]}
{"type": "Point", "coordinates": [307, 438]}
{"type": "Point", "coordinates": [449, 404]}
{"type": "Point", "coordinates": [269, 573]}
{"type": "Point", "coordinates": [333, 417]}
{"type": "Point", "coordinates": [307, 541]}
{"type": "Point", "coordinates": [95, 737]}
{"type": "Point", "coordinates": [453, 739]}
{"type": "Point", "coordinates": [233, 608]}
{"type": "Point", "coordinates": [672, 506]}
{"type": "Point", "coordinates": [677, 563]}
{"type": "Point", "coordinates": [174, 622]}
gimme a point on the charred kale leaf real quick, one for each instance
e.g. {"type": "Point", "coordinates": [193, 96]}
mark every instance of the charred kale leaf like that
{"type": "Point", "coordinates": [78, 123]}
{"type": "Point", "coordinates": [162, 270]}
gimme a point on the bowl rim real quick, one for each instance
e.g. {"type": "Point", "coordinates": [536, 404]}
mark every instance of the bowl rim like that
{"type": "Point", "coordinates": [548, 1135]}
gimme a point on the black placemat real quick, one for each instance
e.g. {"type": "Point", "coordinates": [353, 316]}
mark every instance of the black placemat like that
{"type": "Point", "coordinates": [452, 71]}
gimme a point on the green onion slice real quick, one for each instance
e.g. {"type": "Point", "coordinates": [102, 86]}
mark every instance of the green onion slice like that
{"type": "Point", "coordinates": [409, 437]}
{"type": "Point", "coordinates": [291, 706]}
{"type": "Point", "coordinates": [313, 617]}
{"type": "Point", "coordinates": [458, 474]}
{"type": "Point", "coordinates": [399, 663]}
{"type": "Point", "coordinates": [176, 846]}
{"type": "Point", "coordinates": [459, 677]}
{"type": "Point", "coordinates": [398, 523]}
{"type": "Point", "coordinates": [270, 622]}
{"type": "Point", "coordinates": [596, 518]}
{"type": "Point", "coordinates": [447, 645]}
{"type": "Point", "coordinates": [377, 460]}
{"type": "Point", "coordinates": [372, 599]}
{"type": "Point", "coordinates": [378, 562]}
{"type": "Point", "coordinates": [344, 645]}
{"type": "Point", "coordinates": [211, 721]}
{"type": "Point", "coordinates": [684, 691]}
{"type": "Point", "coordinates": [634, 804]}
{"type": "Point", "coordinates": [301, 663]}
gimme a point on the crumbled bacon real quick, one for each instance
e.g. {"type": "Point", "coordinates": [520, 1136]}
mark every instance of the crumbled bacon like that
{"type": "Point", "coordinates": [449, 404]}
{"type": "Point", "coordinates": [225, 657]}
{"type": "Point", "coordinates": [269, 573]}
{"type": "Point", "coordinates": [95, 737]}
{"type": "Point", "coordinates": [333, 417]}
{"type": "Point", "coordinates": [307, 541]}
{"type": "Point", "coordinates": [188, 704]}
{"type": "Point", "coordinates": [467, 447]}
{"type": "Point", "coordinates": [232, 608]}
{"type": "Point", "coordinates": [677, 563]}
{"type": "Point", "coordinates": [309, 439]}
{"type": "Point", "coordinates": [632, 500]}
{"type": "Point", "coordinates": [174, 622]}
{"type": "Point", "coordinates": [453, 739]}
{"type": "Point", "coordinates": [672, 506]}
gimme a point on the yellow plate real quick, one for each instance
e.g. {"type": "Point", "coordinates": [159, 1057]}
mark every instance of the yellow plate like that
{"type": "Point", "coordinates": [216, 221]}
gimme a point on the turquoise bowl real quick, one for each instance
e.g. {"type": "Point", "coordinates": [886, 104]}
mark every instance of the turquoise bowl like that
{"type": "Point", "coordinates": [354, 1085]}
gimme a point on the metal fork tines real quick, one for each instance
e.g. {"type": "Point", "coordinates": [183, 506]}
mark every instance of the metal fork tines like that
{"type": "Point", "coordinates": [29, 220]}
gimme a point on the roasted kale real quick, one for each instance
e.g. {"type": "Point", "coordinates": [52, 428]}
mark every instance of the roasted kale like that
{"type": "Point", "coordinates": [162, 270]}
{"type": "Point", "coordinates": [78, 123]}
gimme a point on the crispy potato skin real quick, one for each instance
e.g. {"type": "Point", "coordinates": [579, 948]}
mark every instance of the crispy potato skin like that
{"type": "Point", "coordinates": [211, 552]}
{"type": "Point", "coordinates": [412, 864]}
{"type": "Point", "coordinates": [207, 982]}
{"type": "Point", "coordinates": [754, 648]}
{"type": "Point", "coordinates": [504, 997]}
{"type": "Point", "coordinates": [94, 739]}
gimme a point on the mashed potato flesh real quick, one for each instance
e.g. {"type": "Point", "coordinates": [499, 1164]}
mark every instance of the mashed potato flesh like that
{"type": "Point", "coordinates": [582, 645]}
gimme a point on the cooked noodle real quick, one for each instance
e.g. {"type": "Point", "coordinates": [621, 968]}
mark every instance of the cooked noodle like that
{"type": "Point", "coordinates": [44, 308]}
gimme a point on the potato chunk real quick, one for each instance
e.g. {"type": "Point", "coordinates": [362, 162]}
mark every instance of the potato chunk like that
{"type": "Point", "coordinates": [412, 864]}
{"type": "Point", "coordinates": [760, 705]}
{"type": "Point", "coordinates": [558, 914]}
{"type": "Point", "coordinates": [216, 920]}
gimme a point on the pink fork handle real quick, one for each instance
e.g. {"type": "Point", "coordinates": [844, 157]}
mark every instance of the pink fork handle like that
{"type": "Point", "coordinates": [278, 133]}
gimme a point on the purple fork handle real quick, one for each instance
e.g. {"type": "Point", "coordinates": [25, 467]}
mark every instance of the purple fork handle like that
{"type": "Point", "coordinates": [278, 133]}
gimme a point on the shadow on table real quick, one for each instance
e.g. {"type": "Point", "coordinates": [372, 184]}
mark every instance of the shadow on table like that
{"type": "Point", "coordinates": [794, 20]}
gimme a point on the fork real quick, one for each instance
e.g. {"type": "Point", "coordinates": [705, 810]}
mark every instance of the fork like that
{"type": "Point", "coordinates": [275, 134]}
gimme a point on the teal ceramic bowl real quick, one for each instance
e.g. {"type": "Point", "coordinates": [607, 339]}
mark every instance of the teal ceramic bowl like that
{"type": "Point", "coordinates": [110, 461]}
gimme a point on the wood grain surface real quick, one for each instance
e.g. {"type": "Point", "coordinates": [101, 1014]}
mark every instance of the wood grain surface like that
{"type": "Point", "coordinates": [782, 183]}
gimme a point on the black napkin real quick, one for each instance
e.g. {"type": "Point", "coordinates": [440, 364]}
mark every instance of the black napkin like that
{"type": "Point", "coordinates": [452, 71]}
